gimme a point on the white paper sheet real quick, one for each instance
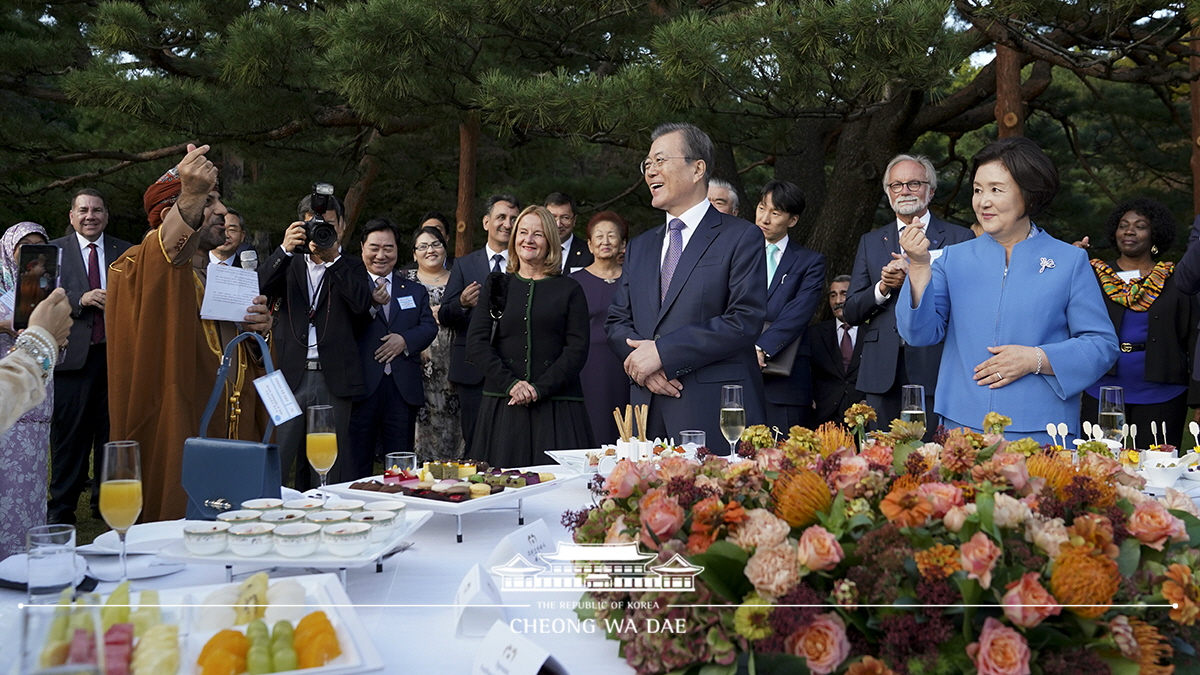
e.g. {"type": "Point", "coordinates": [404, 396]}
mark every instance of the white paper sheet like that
{"type": "Point", "coordinates": [228, 291]}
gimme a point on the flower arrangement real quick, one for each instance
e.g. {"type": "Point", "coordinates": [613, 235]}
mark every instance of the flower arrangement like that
{"type": "Point", "coordinates": [836, 551]}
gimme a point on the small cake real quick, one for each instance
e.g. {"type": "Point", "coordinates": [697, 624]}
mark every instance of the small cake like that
{"type": "Point", "coordinates": [545, 477]}
{"type": "Point", "coordinates": [480, 490]}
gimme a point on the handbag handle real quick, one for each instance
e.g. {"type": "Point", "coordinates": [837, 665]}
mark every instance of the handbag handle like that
{"type": "Point", "coordinates": [218, 387]}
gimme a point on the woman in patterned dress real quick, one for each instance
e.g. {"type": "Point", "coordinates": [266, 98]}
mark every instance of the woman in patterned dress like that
{"type": "Point", "coordinates": [439, 435]}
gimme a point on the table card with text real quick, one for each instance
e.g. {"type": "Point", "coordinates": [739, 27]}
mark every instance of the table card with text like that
{"type": "Point", "coordinates": [476, 604]}
{"type": "Point", "coordinates": [505, 652]}
{"type": "Point", "coordinates": [529, 542]}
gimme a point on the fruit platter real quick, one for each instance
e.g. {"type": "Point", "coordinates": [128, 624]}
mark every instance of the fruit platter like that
{"type": "Point", "coordinates": [302, 624]}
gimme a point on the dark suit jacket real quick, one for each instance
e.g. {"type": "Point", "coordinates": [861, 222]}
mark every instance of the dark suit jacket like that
{"type": "Point", "coordinates": [706, 328]}
{"type": "Point", "coordinates": [877, 332]}
{"type": "Point", "coordinates": [415, 325]}
{"type": "Point", "coordinates": [792, 297]}
{"type": "Point", "coordinates": [834, 387]}
{"type": "Point", "coordinates": [578, 255]}
{"type": "Point", "coordinates": [473, 266]}
{"type": "Point", "coordinates": [74, 280]}
{"type": "Point", "coordinates": [343, 303]}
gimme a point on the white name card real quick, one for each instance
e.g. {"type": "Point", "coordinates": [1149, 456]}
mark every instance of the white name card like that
{"type": "Point", "coordinates": [529, 542]}
{"type": "Point", "coordinates": [505, 652]}
{"type": "Point", "coordinates": [476, 604]}
{"type": "Point", "coordinates": [277, 396]}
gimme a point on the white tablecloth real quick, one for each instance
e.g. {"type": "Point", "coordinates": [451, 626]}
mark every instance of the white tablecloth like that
{"type": "Point", "coordinates": [415, 639]}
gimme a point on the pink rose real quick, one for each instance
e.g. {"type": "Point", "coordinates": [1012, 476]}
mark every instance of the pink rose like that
{"type": "Point", "coordinates": [957, 516]}
{"type": "Point", "coordinates": [978, 557]}
{"type": "Point", "coordinates": [774, 570]}
{"type": "Point", "coordinates": [1179, 501]}
{"type": "Point", "coordinates": [1012, 467]}
{"type": "Point", "coordinates": [673, 467]}
{"type": "Point", "coordinates": [1022, 600]}
{"type": "Point", "coordinates": [1009, 512]}
{"type": "Point", "coordinates": [622, 480]}
{"type": "Point", "coordinates": [1048, 534]}
{"type": "Point", "coordinates": [761, 528]}
{"type": "Point", "coordinates": [616, 533]}
{"type": "Point", "coordinates": [878, 454]}
{"type": "Point", "coordinates": [943, 496]}
{"type": "Point", "coordinates": [819, 550]}
{"type": "Point", "coordinates": [822, 643]}
{"type": "Point", "coordinates": [661, 515]}
{"type": "Point", "coordinates": [769, 459]}
{"type": "Point", "coordinates": [851, 470]}
{"type": "Point", "coordinates": [1000, 650]}
{"type": "Point", "coordinates": [1153, 525]}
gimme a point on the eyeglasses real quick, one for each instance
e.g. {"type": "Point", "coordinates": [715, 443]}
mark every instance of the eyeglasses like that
{"type": "Point", "coordinates": [912, 185]}
{"type": "Point", "coordinates": [658, 163]}
{"type": "Point", "coordinates": [421, 248]}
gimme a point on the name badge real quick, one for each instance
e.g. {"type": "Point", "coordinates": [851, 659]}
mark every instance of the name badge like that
{"type": "Point", "coordinates": [407, 302]}
{"type": "Point", "coordinates": [1130, 276]}
{"type": "Point", "coordinates": [277, 398]}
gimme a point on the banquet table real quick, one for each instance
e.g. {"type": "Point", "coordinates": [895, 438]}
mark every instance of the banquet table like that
{"type": "Point", "coordinates": [414, 632]}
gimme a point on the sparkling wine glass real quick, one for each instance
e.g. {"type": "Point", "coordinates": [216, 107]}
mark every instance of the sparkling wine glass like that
{"type": "Point", "coordinates": [912, 404]}
{"type": "Point", "coordinates": [121, 490]}
{"type": "Point", "coordinates": [322, 440]}
{"type": "Point", "coordinates": [1112, 412]}
{"type": "Point", "coordinates": [733, 415]}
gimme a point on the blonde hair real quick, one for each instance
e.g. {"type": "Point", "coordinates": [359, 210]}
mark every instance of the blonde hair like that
{"type": "Point", "coordinates": [553, 264]}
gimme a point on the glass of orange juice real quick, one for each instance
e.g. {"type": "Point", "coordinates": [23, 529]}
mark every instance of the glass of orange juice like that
{"type": "Point", "coordinates": [322, 440]}
{"type": "Point", "coordinates": [121, 489]}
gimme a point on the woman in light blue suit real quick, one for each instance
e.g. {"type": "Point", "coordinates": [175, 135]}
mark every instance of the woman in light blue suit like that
{"type": "Point", "coordinates": [1021, 313]}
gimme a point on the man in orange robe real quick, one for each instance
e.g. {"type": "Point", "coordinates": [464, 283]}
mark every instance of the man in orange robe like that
{"type": "Point", "coordinates": [163, 357]}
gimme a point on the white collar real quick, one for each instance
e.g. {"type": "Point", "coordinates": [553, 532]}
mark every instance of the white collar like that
{"type": "Point", "coordinates": [84, 243]}
{"type": "Point", "coordinates": [692, 217]}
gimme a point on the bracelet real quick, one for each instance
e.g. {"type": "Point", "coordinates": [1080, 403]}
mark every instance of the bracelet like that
{"type": "Point", "coordinates": [34, 345]}
{"type": "Point", "coordinates": [43, 337]}
{"type": "Point", "coordinates": [1038, 351]}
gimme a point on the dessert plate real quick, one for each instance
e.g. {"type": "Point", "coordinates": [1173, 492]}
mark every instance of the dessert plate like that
{"type": "Point", "coordinates": [141, 538]}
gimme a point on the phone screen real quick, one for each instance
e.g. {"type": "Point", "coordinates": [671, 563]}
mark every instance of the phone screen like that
{"type": "Point", "coordinates": [37, 277]}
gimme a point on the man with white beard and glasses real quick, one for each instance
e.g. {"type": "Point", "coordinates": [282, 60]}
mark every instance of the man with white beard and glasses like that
{"type": "Point", "coordinates": [879, 270]}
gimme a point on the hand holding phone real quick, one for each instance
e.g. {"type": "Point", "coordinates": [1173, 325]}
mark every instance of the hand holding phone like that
{"type": "Point", "coordinates": [37, 277]}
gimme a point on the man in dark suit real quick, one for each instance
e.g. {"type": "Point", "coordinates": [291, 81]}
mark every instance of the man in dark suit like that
{"type": "Point", "coordinates": [795, 277]}
{"type": "Point", "coordinates": [575, 252]}
{"type": "Point", "coordinates": [235, 238]}
{"type": "Point", "coordinates": [318, 297]}
{"type": "Point", "coordinates": [80, 425]}
{"type": "Point", "coordinates": [461, 296]}
{"type": "Point", "coordinates": [836, 353]}
{"type": "Point", "coordinates": [692, 298]}
{"type": "Point", "coordinates": [879, 271]}
{"type": "Point", "coordinates": [390, 350]}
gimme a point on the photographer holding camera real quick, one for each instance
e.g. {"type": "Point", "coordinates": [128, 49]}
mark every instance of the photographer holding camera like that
{"type": "Point", "coordinates": [320, 296]}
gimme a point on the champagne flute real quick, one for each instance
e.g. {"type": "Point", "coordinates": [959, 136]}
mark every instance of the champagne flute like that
{"type": "Point", "coordinates": [733, 415]}
{"type": "Point", "coordinates": [121, 490]}
{"type": "Point", "coordinates": [1112, 412]}
{"type": "Point", "coordinates": [322, 440]}
{"type": "Point", "coordinates": [912, 405]}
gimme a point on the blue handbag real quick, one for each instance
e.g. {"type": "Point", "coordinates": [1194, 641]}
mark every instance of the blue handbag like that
{"type": "Point", "coordinates": [219, 473]}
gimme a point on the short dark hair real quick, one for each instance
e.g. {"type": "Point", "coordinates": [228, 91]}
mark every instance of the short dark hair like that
{"type": "Point", "coordinates": [841, 279]}
{"type": "Point", "coordinates": [696, 143]}
{"type": "Point", "coordinates": [561, 199]}
{"type": "Point", "coordinates": [496, 199]}
{"type": "Point", "coordinates": [612, 217]}
{"type": "Point", "coordinates": [785, 195]}
{"type": "Point", "coordinates": [430, 230]}
{"type": "Point", "coordinates": [438, 216]}
{"type": "Point", "coordinates": [305, 206]}
{"type": "Point", "coordinates": [381, 225]}
{"type": "Point", "coordinates": [234, 212]}
{"type": "Point", "coordinates": [1162, 222]}
{"type": "Point", "coordinates": [1034, 173]}
{"type": "Point", "coordinates": [89, 192]}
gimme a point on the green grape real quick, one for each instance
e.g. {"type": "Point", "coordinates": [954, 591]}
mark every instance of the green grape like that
{"type": "Point", "coordinates": [282, 628]}
{"type": "Point", "coordinates": [257, 631]}
{"type": "Point", "coordinates": [258, 660]}
{"type": "Point", "coordinates": [285, 659]}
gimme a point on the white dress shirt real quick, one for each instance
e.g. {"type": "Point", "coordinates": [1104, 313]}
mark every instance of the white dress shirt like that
{"type": "Point", "coordinates": [880, 298]}
{"type": "Point", "coordinates": [316, 273]}
{"type": "Point", "coordinates": [87, 254]}
{"type": "Point", "coordinates": [212, 258]}
{"type": "Point", "coordinates": [487, 248]}
{"type": "Point", "coordinates": [566, 252]}
{"type": "Point", "coordinates": [691, 219]}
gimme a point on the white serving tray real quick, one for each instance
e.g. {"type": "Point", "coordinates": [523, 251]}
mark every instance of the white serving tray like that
{"type": "Point", "coordinates": [576, 460]}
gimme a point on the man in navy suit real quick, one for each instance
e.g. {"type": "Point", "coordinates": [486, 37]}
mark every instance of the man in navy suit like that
{"type": "Point", "coordinates": [79, 428]}
{"type": "Point", "coordinates": [390, 348]}
{"type": "Point", "coordinates": [575, 252]}
{"type": "Point", "coordinates": [693, 297]}
{"type": "Point", "coordinates": [795, 279]}
{"type": "Point", "coordinates": [461, 296]}
{"type": "Point", "coordinates": [879, 271]}
{"type": "Point", "coordinates": [836, 353]}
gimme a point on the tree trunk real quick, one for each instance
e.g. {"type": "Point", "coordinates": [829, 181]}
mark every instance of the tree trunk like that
{"type": "Point", "coordinates": [356, 196]}
{"type": "Point", "coordinates": [803, 163]}
{"type": "Point", "coordinates": [468, 151]}
{"type": "Point", "coordinates": [724, 166]}
{"type": "Point", "coordinates": [1010, 109]}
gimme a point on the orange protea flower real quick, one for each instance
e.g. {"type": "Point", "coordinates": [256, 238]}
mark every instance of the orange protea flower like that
{"type": "Point", "coordinates": [870, 666]}
{"type": "Point", "coordinates": [1058, 474]}
{"type": "Point", "coordinates": [1102, 491]}
{"type": "Point", "coordinates": [1153, 649]}
{"type": "Point", "coordinates": [1181, 589]}
{"type": "Point", "coordinates": [906, 508]}
{"type": "Point", "coordinates": [1083, 579]}
{"type": "Point", "coordinates": [910, 482]}
{"type": "Point", "coordinates": [833, 437]}
{"type": "Point", "coordinates": [938, 562]}
{"type": "Point", "coordinates": [1091, 532]}
{"type": "Point", "coordinates": [799, 495]}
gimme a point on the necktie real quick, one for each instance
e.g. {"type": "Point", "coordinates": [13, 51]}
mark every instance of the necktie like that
{"type": "Point", "coordinates": [847, 347]}
{"type": "Point", "coordinates": [496, 260]}
{"type": "Point", "coordinates": [674, 251]}
{"type": "Point", "coordinates": [93, 273]}
{"type": "Point", "coordinates": [772, 265]}
{"type": "Point", "coordinates": [387, 309]}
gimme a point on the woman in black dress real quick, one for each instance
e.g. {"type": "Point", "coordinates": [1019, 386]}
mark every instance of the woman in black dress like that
{"type": "Point", "coordinates": [603, 376]}
{"type": "Point", "coordinates": [529, 336]}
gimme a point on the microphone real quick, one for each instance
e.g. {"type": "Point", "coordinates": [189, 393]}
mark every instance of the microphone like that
{"type": "Point", "coordinates": [249, 260]}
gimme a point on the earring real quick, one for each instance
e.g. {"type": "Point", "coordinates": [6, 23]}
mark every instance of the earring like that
{"type": "Point", "coordinates": [1154, 250]}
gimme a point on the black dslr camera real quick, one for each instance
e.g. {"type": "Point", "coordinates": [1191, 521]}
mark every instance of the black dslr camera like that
{"type": "Point", "coordinates": [316, 229]}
